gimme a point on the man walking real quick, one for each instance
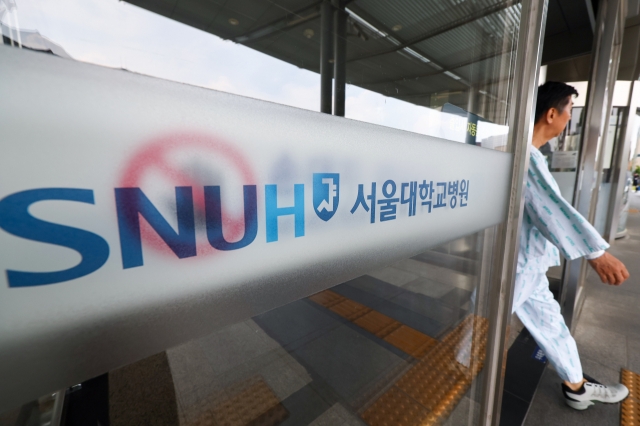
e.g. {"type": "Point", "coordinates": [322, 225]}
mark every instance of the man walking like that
{"type": "Point", "coordinates": [551, 225]}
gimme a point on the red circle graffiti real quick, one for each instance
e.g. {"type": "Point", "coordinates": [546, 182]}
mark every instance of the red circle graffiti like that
{"type": "Point", "coordinates": [155, 156]}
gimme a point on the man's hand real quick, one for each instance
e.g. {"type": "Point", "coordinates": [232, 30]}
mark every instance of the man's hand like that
{"type": "Point", "coordinates": [610, 269]}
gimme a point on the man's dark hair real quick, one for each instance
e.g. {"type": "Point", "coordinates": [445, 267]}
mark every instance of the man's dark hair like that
{"type": "Point", "coordinates": [553, 94]}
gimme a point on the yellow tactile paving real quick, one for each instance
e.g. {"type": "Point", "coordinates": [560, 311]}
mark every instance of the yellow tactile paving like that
{"type": "Point", "coordinates": [349, 309]}
{"type": "Point", "coordinates": [403, 337]}
{"type": "Point", "coordinates": [376, 323]}
{"type": "Point", "coordinates": [411, 341]}
{"type": "Point", "coordinates": [394, 408]}
{"type": "Point", "coordinates": [251, 403]}
{"type": "Point", "coordinates": [327, 298]}
{"type": "Point", "coordinates": [205, 419]}
{"type": "Point", "coordinates": [430, 390]}
{"type": "Point", "coordinates": [247, 403]}
{"type": "Point", "coordinates": [630, 408]}
{"type": "Point", "coordinates": [439, 380]}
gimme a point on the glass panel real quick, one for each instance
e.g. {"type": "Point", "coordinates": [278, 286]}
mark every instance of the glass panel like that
{"type": "Point", "coordinates": [632, 170]}
{"type": "Point", "coordinates": [440, 69]}
{"type": "Point", "coordinates": [611, 141]}
{"type": "Point", "coordinates": [405, 343]}
{"type": "Point", "coordinates": [562, 154]}
{"type": "Point", "coordinates": [44, 411]}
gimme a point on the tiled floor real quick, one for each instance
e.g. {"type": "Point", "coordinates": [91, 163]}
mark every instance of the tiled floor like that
{"type": "Point", "coordinates": [314, 363]}
{"type": "Point", "coordinates": [409, 331]}
{"type": "Point", "coordinates": [608, 338]}
{"type": "Point", "coordinates": [323, 366]}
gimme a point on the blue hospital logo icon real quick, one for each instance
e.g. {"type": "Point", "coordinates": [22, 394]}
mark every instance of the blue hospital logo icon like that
{"type": "Point", "coordinates": [326, 194]}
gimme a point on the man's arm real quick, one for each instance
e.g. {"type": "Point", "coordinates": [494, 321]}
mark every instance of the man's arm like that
{"type": "Point", "coordinates": [556, 219]}
{"type": "Point", "coordinates": [561, 224]}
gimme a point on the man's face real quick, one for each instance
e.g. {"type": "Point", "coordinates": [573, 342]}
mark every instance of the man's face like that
{"type": "Point", "coordinates": [560, 120]}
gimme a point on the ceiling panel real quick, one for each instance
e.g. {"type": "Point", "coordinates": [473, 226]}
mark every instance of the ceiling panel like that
{"type": "Point", "coordinates": [461, 36]}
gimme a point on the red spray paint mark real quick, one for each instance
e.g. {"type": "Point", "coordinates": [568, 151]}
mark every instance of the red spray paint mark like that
{"type": "Point", "coordinates": [155, 156]}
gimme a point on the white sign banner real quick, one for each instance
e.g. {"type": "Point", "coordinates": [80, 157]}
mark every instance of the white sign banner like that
{"type": "Point", "coordinates": [137, 213]}
{"type": "Point", "coordinates": [564, 160]}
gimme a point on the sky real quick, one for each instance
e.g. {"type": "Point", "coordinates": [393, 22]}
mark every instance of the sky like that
{"type": "Point", "coordinates": [117, 34]}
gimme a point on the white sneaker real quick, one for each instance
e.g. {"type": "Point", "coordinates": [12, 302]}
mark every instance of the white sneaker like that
{"type": "Point", "coordinates": [592, 392]}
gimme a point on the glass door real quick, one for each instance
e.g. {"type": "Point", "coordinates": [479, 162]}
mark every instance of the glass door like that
{"type": "Point", "coordinates": [403, 341]}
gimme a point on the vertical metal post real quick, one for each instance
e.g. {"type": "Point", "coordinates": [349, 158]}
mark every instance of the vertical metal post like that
{"type": "Point", "coordinates": [621, 155]}
{"type": "Point", "coordinates": [528, 57]}
{"type": "Point", "coordinates": [340, 58]}
{"type": "Point", "coordinates": [326, 57]}
{"type": "Point", "coordinates": [620, 165]}
{"type": "Point", "coordinates": [604, 67]}
{"type": "Point", "coordinates": [614, 62]}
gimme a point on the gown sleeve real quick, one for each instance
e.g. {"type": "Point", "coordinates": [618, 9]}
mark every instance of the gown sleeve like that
{"type": "Point", "coordinates": [555, 218]}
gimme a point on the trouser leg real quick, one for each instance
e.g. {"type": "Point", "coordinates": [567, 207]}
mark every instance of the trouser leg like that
{"type": "Point", "coordinates": [540, 313]}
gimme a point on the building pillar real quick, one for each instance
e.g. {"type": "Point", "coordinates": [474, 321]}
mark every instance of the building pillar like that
{"type": "Point", "coordinates": [326, 56]}
{"type": "Point", "coordinates": [604, 68]}
{"type": "Point", "coordinates": [340, 58]}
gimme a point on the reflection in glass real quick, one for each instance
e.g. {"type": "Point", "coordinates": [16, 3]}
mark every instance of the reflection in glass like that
{"type": "Point", "coordinates": [404, 61]}
{"type": "Point", "coordinates": [611, 141]}
{"type": "Point", "coordinates": [404, 344]}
